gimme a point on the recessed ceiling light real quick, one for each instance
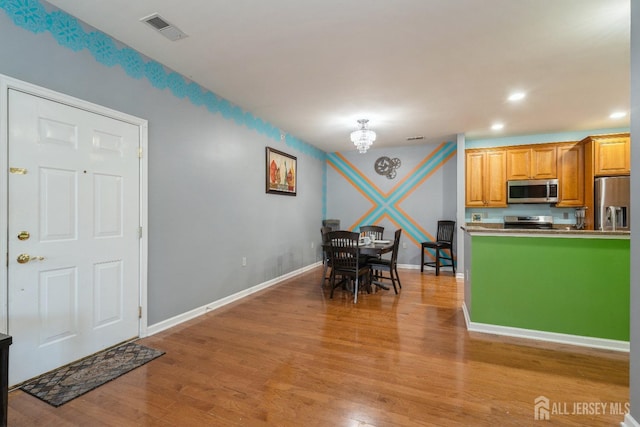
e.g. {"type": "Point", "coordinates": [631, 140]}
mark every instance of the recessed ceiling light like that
{"type": "Point", "coordinates": [517, 96]}
{"type": "Point", "coordinates": [617, 115]}
{"type": "Point", "coordinates": [497, 126]}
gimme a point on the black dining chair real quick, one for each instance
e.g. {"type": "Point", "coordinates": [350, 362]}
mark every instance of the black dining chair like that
{"type": "Point", "coordinates": [333, 224]}
{"type": "Point", "coordinates": [346, 263]}
{"type": "Point", "coordinates": [373, 231]}
{"type": "Point", "coordinates": [442, 244]}
{"type": "Point", "coordinates": [379, 265]}
{"type": "Point", "coordinates": [324, 232]}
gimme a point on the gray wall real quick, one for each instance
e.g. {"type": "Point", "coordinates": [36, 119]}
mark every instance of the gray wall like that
{"type": "Point", "coordinates": [207, 201]}
{"type": "Point", "coordinates": [634, 369]}
{"type": "Point", "coordinates": [418, 204]}
{"type": "Point", "coordinates": [207, 206]}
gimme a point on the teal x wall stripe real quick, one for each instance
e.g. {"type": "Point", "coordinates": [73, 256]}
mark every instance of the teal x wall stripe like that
{"type": "Point", "coordinates": [388, 204]}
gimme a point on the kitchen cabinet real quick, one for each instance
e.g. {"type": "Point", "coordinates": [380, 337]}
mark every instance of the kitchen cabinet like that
{"type": "Point", "coordinates": [570, 175]}
{"type": "Point", "coordinates": [612, 155]}
{"type": "Point", "coordinates": [604, 155]}
{"type": "Point", "coordinates": [532, 162]}
{"type": "Point", "coordinates": [485, 178]}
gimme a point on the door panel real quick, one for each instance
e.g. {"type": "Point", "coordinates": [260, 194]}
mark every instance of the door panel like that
{"type": "Point", "coordinates": [108, 193]}
{"type": "Point", "coordinates": [58, 133]}
{"type": "Point", "coordinates": [79, 202]}
{"type": "Point", "coordinates": [57, 305]}
{"type": "Point", "coordinates": [108, 301]}
{"type": "Point", "coordinates": [58, 201]}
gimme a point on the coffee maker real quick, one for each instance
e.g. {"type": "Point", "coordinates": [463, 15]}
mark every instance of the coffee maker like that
{"type": "Point", "coordinates": [580, 212]}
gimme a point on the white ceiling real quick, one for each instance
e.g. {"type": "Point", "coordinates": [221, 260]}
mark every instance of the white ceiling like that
{"type": "Point", "coordinates": [412, 67]}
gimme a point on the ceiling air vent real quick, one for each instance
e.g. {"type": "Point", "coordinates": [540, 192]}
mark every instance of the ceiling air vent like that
{"type": "Point", "coordinates": [415, 138]}
{"type": "Point", "coordinates": [160, 24]}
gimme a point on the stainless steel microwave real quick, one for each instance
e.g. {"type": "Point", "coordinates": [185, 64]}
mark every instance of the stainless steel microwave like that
{"type": "Point", "coordinates": [532, 191]}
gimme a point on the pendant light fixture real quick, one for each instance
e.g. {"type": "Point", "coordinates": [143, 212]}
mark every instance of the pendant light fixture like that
{"type": "Point", "coordinates": [363, 137]}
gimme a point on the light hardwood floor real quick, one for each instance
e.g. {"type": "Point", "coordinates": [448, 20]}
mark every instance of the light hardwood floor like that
{"type": "Point", "coordinates": [290, 356]}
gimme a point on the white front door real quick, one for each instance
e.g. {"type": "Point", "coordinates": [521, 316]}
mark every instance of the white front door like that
{"type": "Point", "coordinates": [73, 233]}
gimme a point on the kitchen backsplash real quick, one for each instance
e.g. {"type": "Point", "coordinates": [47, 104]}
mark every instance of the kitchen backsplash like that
{"type": "Point", "coordinates": [496, 215]}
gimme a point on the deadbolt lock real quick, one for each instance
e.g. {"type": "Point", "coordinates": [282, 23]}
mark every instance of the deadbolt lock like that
{"type": "Point", "coordinates": [24, 235]}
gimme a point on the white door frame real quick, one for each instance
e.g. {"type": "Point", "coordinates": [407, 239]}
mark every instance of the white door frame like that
{"type": "Point", "coordinates": [7, 83]}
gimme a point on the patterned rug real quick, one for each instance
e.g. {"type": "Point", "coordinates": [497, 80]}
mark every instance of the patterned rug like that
{"type": "Point", "coordinates": [66, 383]}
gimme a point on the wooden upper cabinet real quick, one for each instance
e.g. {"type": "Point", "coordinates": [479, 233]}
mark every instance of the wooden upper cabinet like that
{"type": "Point", "coordinates": [574, 165]}
{"type": "Point", "coordinates": [474, 177]}
{"type": "Point", "coordinates": [496, 185]}
{"type": "Point", "coordinates": [518, 163]}
{"type": "Point", "coordinates": [485, 178]}
{"type": "Point", "coordinates": [570, 175]}
{"type": "Point", "coordinates": [611, 155]}
{"type": "Point", "coordinates": [531, 162]}
{"type": "Point", "coordinates": [544, 162]}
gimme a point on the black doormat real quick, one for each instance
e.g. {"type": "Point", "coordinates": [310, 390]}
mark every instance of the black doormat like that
{"type": "Point", "coordinates": [68, 382]}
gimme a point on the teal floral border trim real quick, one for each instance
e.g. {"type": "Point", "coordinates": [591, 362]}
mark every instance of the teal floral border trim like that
{"type": "Point", "coordinates": [68, 32]}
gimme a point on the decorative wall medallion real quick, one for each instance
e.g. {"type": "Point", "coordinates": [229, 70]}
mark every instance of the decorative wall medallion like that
{"type": "Point", "coordinates": [386, 166]}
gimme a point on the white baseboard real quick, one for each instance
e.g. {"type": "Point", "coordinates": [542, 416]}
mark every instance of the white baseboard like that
{"type": "Point", "coordinates": [579, 340]}
{"type": "Point", "coordinates": [191, 314]}
{"type": "Point", "coordinates": [409, 266]}
{"type": "Point", "coordinates": [629, 421]}
{"type": "Point", "coordinates": [426, 267]}
{"type": "Point", "coordinates": [465, 311]}
{"type": "Point", "coordinates": [199, 311]}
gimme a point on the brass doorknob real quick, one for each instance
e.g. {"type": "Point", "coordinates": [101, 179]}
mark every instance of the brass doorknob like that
{"type": "Point", "coordinates": [25, 258]}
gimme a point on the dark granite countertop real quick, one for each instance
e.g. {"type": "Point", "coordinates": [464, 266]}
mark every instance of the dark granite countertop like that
{"type": "Point", "coordinates": [495, 229]}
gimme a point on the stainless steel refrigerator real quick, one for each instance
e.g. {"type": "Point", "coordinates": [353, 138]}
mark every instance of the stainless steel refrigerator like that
{"type": "Point", "coordinates": [612, 203]}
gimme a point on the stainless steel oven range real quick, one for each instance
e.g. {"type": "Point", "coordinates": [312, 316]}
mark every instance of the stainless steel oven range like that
{"type": "Point", "coordinates": [528, 222]}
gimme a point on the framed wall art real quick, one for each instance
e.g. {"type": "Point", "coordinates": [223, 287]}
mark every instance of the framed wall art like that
{"type": "Point", "coordinates": [282, 173]}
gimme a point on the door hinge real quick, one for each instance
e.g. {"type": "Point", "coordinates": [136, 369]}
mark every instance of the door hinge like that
{"type": "Point", "coordinates": [140, 232]}
{"type": "Point", "coordinates": [139, 152]}
{"type": "Point", "coordinates": [139, 312]}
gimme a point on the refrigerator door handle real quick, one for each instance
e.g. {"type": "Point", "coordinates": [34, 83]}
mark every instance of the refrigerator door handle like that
{"type": "Point", "coordinates": [612, 216]}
